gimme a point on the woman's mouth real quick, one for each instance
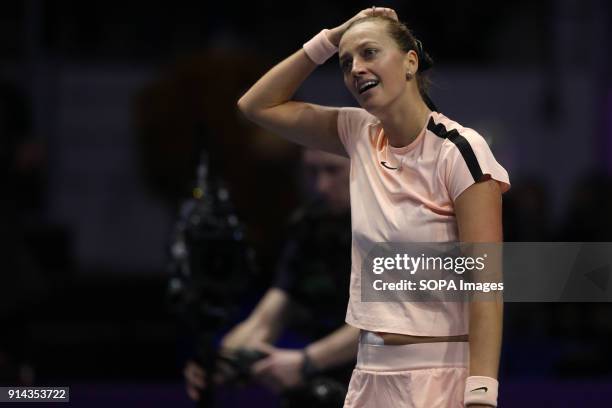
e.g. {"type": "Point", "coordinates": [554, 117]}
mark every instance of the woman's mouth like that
{"type": "Point", "coordinates": [366, 85]}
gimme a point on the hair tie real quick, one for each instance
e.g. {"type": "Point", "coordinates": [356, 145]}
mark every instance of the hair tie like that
{"type": "Point", "coordinates": [424, 60]}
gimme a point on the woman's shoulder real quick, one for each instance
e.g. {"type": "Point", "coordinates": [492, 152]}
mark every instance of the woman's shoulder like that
{"type": "Point", "coordinates": [352, 120]}
{"type": "Point", "coordinates": [453, 132]}
{"type": "Point", "coordinates": [358, 113]}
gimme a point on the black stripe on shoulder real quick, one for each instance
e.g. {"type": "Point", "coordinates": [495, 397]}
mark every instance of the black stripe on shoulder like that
{"type": "Point", "coordinates": [462, 144]}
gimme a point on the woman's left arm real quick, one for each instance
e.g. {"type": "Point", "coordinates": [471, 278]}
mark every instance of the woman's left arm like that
{"type": "Point", "coordinates": [479, 219]}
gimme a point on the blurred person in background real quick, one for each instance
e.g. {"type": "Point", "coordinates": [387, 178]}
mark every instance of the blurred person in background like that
{"type": "Point", "coordinates": [308, 295]}
{"type": "Point", "coordinates": [416, 176]}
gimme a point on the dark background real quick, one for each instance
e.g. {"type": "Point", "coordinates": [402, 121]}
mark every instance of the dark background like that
{"type": "Point", "coordinates": [101, 107]}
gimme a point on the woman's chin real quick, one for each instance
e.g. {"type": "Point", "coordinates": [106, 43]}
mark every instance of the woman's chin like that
{"type": "Point", "coordinates": [367, 103]}
{"type": "Point", "coordinates": [370, 107]}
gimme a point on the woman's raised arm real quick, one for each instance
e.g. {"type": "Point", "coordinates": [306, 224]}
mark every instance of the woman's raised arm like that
{"type": "Point", "coordinates": [268, 103]}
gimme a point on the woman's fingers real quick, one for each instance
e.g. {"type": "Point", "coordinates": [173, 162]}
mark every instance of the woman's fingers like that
{"type": "Point", "coordinates": [375, 11]}
{"type": "Point", "coordinates": [392, 14]}
{"type": "Point", "coordinates": [336, 33]}
{"type": "Point", "coordinates": [382, 11]}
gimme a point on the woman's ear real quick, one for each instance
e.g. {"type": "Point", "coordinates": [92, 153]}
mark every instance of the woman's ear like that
{"type": "Point", "coordinates": [411, 62]}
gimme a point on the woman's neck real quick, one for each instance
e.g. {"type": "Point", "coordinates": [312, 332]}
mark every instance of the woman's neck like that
{"type": "Point", "coordinates": [404, 119]}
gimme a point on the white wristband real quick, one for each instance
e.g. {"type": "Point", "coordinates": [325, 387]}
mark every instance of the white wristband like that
{"type": "Point", "coordinates": [319, 49]}
{"type": "Point", "coordinates": [481, 390]}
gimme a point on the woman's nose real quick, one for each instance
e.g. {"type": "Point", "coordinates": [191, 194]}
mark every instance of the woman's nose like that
{"type": "Point", "coordinates": [358, 67]}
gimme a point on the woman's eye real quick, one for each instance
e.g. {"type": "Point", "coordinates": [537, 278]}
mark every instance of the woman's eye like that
{"type": "Point", "coordinates": [370, 52]}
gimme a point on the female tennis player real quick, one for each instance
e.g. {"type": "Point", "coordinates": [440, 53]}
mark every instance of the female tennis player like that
{"type": "Point", "coordinates": [416, 176]}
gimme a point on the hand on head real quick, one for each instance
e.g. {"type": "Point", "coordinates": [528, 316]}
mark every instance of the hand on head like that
{"type": "Point", "coordinates": [336, 33]}
{"type": "Point", "coordinates": [384, 12]}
